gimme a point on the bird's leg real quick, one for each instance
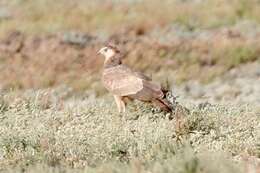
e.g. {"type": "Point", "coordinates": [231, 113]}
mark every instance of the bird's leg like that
{"type": "Point", "coordinates": [123, 106]}
{"type": "Point", "coordinates": [118, 102]}
{"type": "Point", "coordinates": [126, 99]}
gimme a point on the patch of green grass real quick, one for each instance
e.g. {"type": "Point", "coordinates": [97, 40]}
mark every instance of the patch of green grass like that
{"type": "Point", "coordinates": [239, 55]}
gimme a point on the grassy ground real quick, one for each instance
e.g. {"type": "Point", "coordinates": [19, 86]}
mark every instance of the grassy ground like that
{"type": "Point", "coordinates": [49, 130]}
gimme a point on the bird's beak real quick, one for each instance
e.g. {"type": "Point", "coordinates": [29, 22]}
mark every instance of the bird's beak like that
{"type": "Point", "coordinates": [99, 52]}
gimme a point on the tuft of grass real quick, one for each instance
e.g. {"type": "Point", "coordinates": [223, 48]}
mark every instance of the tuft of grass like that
{"type": "Point", "coordinates": [239, 55]}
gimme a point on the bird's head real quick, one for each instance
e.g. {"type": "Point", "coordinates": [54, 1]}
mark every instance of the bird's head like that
{"type": "Point", "coordinates": [108, 51]}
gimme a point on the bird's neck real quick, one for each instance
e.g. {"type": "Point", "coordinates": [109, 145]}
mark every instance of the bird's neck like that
{"type": "Point", "coordinates": [112, 61]}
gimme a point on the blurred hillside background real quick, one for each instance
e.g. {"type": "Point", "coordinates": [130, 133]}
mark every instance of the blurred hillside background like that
{"type": "Point", "coordinates": [51, 97]}
{"type": "Point", "coordinates": [46, 43]}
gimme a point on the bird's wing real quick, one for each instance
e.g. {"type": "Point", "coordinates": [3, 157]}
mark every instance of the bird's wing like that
{"type": "Point", "coordinates": [142, 76]}
{"type": "Point", "coordinates": [122, 81]}
{"type": "Point", "coordinates": [136, 73]}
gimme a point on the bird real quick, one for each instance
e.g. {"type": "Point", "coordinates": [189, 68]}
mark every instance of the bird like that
{"type": "Point", "coordinates": [127, 84]}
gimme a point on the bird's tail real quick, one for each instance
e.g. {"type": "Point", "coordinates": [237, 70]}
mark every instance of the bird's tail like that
{"type": "Point", "coordinates": [163, 104]}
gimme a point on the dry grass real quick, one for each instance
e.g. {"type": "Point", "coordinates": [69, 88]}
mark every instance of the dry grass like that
{"type": "Point", "coordinates": [36, 16]}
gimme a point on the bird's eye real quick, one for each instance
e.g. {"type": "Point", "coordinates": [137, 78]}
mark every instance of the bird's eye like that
{"type": "Point", "coordinates": [105, 50]}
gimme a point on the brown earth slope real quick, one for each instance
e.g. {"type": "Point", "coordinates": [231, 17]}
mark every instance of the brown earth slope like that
{"type": "Point", "coordinates": [70, 57]}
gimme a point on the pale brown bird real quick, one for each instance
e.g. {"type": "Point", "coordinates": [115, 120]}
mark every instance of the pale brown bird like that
{"type": "Point", "coordinates": [124, 83]}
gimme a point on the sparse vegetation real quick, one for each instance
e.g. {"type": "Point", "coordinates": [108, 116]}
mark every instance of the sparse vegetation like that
{"type": "Point", "coordinates": [42, 130]}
